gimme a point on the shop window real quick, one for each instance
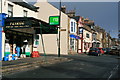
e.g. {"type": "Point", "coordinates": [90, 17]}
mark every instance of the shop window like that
{"type": "Point", "coordinates": [36, 42]}
{"type": "Point", "coordinates": [10, 10]}
{"type": "Point", "coordinates": [72, 44]}
{"type": "Point", "coordinates": [37, 37]}
{"type": "Point", "coordinates": [25, 13]}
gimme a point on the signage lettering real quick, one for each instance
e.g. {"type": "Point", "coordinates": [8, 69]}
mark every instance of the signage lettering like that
{"type": "Point", "coordinates": [16, 23]}
{"type": "Point", "coordinates": [54, 20]}
{"type": "Point", "coordinates": [20, 24]}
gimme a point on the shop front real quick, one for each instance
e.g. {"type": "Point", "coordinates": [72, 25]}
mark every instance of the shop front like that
{"type": "Point", "coordinates": [18, 43]}
{"type": "Point", "coordinates": [19, 37]}
{"type": "Point", "coordinates": [73, 43]}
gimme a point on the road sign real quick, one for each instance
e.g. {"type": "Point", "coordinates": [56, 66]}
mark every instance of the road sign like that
{"type": "Point", "coordinates": [54, 20]}
{"type": "Point", "coordinates": [2, 19]}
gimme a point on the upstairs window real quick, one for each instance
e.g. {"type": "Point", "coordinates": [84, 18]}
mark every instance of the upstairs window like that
{"type": "Point", "coordinates": [71, 26]}
{"type": "Point", "coordinates": [10, 10]}
{"type": "Point", "coordinates": [24, 13]}
{"type": "Point", "coordinates": [74, 27]}
{"type": "Point", "coordinates": [87, 35]}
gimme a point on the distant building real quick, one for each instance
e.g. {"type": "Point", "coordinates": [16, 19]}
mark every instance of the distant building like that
{"type": "Point", "coordinates": [73, 37]}
{"type": "Point", "coordinates": [85, 33]}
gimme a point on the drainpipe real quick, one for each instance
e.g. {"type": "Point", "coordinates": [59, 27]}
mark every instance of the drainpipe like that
{"type": "Point", "coordinates": [82, 43]}
{"type": "Point", "coordinates": [77, 39]}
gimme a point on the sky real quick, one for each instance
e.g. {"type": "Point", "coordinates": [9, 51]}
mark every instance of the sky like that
{"type": "Point", "coordinates": [73, 0]}
{"type": "Point", "coordinates": [103, 12]}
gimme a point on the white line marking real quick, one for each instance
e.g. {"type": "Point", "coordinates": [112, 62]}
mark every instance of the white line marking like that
{"type": "Point", "coordinates": [112, 72]}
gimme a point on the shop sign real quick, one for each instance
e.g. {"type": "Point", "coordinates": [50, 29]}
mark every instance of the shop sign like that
{"type": "Point", "coordinates": [74, 36]}
{"type": "Point", "coordinates": [20, 24]}
{"type": "Point", "coordinates": [2, 19]}
{"type": "Point", "coordinates": [54, 20]}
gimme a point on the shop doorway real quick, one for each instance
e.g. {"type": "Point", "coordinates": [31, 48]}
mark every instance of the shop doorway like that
{"type": "Point", "coordinates": [19, 43]}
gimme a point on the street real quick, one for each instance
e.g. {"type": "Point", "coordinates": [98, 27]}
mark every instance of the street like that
{"type": "Point", "coordinates": [79, 66]}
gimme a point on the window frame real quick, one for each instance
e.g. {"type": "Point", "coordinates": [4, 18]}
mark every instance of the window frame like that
{"type": "Point", "coordinates": [25, 13]}
{"type": "Point", "coordinates": [10, 11]}
{"type": "Point", "coordinates": [72, 28]}
{"type": "Point", "coordinates": [87, 35]}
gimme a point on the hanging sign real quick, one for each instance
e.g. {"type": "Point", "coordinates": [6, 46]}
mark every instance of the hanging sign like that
{"type": "Point", "coordinates": [54, 20]}
{"type": "Point", "coordinates": [74, 36]}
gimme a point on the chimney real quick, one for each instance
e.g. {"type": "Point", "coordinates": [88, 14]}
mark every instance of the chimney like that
{"type": "Point", "coordinates": [63, 9]}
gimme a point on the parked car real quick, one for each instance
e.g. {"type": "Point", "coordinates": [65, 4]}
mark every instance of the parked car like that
{"type": "Point", "coordinates": [101, 50]}
{"type": "Point", "coordinates": [94, 51]}
{"type": "Point", "coordinates": [106, 50]}
{"type": "Point", "coordinates": [115, 50]}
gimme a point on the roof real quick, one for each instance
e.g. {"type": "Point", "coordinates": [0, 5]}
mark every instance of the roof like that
{"type": "Point", "coordinates": [87, 28]}
{"type": "Point", "coordinates": [89, 22]}
{"type": "Point", "coordinates": [76, 18]}
{"type": "Point", "coordinates": [25, 4]}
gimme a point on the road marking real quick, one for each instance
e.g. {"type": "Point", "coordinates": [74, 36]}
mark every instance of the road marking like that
{"type": "Point", "coordinates": [112, 72]}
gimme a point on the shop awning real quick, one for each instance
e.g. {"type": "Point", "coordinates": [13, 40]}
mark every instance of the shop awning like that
{"type": "Point", "coordinates": [74, 36]}
{"type": "Point", "coordinates": [29, 22]}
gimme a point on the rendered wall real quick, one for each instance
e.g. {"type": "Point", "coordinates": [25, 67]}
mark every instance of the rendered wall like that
{"type": "Point", "coordinates": [45, 11]}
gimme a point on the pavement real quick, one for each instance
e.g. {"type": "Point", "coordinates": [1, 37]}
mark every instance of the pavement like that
{"type": "Point", "coordinates": [10, 67]}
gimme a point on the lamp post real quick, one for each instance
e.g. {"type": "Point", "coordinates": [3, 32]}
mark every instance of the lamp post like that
{"type": "Point", "coordinates": [109, 38]}
{"type": "Point", "coordinates": [59, 30]}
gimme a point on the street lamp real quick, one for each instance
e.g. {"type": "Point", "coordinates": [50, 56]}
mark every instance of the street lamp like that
{"type": "Point", "coordinates": [59, 30]}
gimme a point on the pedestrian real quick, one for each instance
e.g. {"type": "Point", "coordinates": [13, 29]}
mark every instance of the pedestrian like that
{"type": "Point", "coordinates": [18, 51]}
